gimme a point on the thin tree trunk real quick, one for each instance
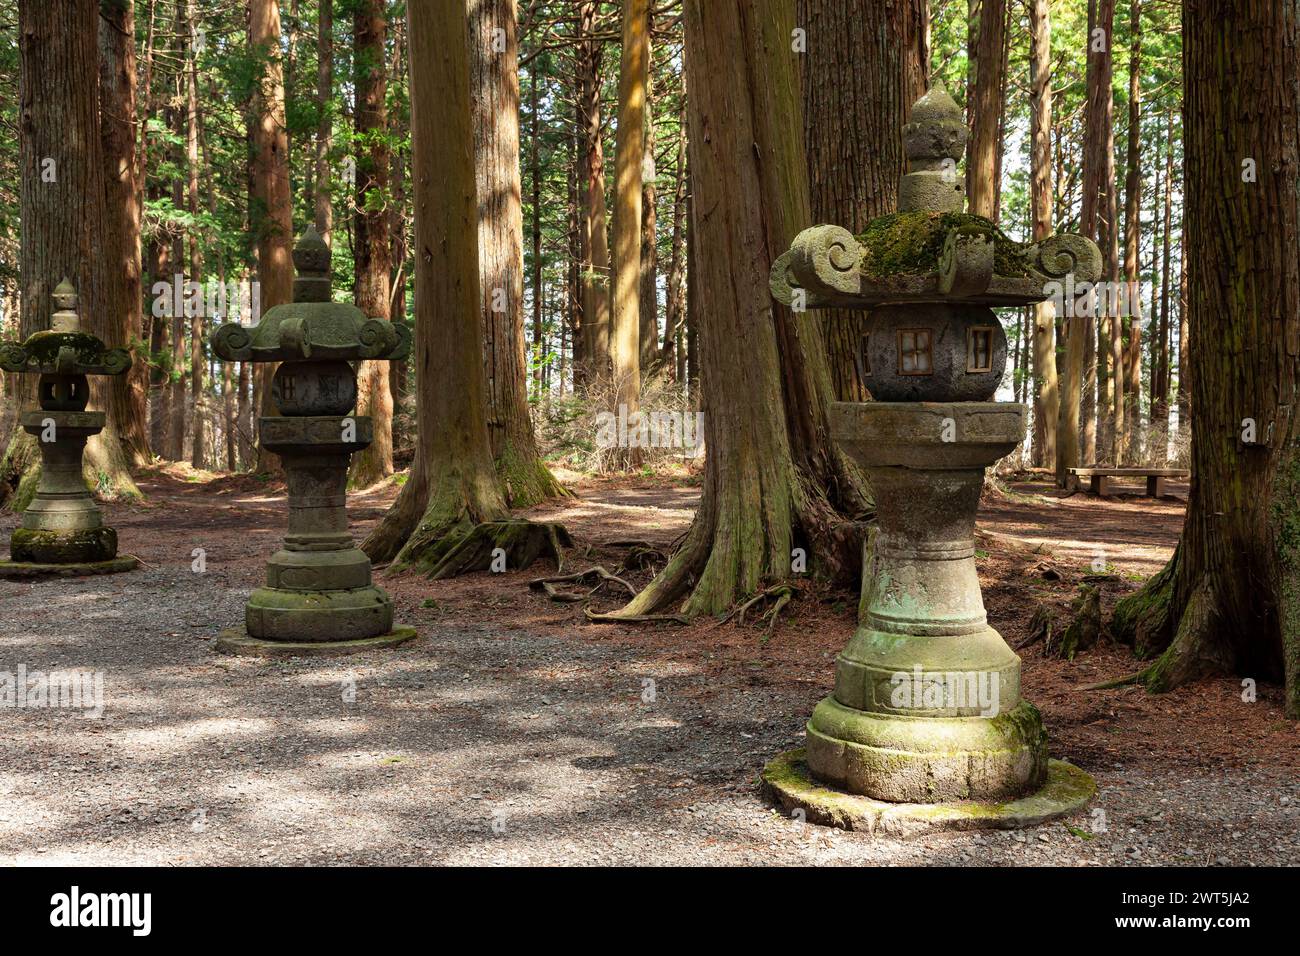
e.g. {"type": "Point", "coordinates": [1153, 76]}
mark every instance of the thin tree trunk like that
{"type": "Point", "coordinates": [494, 82]}
{"type": "Point", "coordinates": [323, 199]}
{"type": "Point", "coordinates": [128, 394]}
{"type": "Point", "coordinates": [596, 263]}
{"type": "Point", "coordinates": [982, 167]}
{"type": "Point", "coordinates": [1047, 400]}
{"type": "Point", "coordinates": [272, 219]}
{"type": "Point", "coordinates": [625, 334]}
{"type": "Point", "coordinates": [372, 249]}
{"type": "Point", "coordinates": [199, 453]}
{"type": "Point", "coordinates": [649, 308]}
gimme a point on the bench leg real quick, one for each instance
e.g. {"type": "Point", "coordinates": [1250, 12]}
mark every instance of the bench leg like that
{"type": "Point", "coordinates": [1097, 485]}
{"type": "Point", "coordinates": [1153, 486]}
{"type": "Point", "coordinates": [1161, 488]}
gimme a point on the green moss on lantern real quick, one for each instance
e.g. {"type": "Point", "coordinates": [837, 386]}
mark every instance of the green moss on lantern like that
{"type": "Point", "coordinates": [911, 243]}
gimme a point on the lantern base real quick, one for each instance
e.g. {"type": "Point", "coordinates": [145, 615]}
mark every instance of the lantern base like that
{"type": "Point", "coordinates": [240, 643]}
{"type": "Point", "coordinates": [923, 759]}
{"type": "Point", "coordinates": [319, 617]}
{"type": "Point", "coordinates": [787, 781]}
{"type": "Point", "coordinates": [72, 546]}
{"type": "Point", "coordinates": [17, 570]}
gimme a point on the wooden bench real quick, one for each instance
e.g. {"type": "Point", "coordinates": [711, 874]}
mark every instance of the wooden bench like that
{"type": "Point", "coordinates": [1101, 481]}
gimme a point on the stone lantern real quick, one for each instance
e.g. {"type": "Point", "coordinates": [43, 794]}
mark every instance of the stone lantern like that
{"type": "Point", "coordinates": [319, 596]}
{"type": "Point", "coordinates": [926, 726]}
{"type": "Point", "coordinates": [62, 530]}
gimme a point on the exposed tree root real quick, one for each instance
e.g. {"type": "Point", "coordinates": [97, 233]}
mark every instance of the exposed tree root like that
{"type": "Point", "coordinates": [1084, 629]}
{"type": "Point", "coordinates": [1193, 653]}
{"type": "Point", "coordinates": [489, 546]}
{"type": "Point", "coordinates": [598, 574]}
{"type": "Point", "coordinates": [776, 597]}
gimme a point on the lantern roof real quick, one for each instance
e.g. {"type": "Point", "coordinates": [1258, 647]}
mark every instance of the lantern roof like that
{"type": "Point", "coordinates": [312, 326]}
{"type": "Point", "coordinates": [64, 349]}
{"type": "Point", "coordinates": [930, 250]}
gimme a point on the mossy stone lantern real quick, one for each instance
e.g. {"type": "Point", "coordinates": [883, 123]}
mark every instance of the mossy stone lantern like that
{"type": "Point", "coordinates": [62, 530]}
{"type": "Point", "coordinates": [319, 596]}
{"type": "Point", "coordinates": [926, 726]}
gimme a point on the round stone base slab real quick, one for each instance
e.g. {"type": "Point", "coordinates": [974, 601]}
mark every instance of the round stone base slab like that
{"type": "Point", "coordinates": [240, 643]}
{"type": "Point", "coordinates": [15, 570]}
{"type": "Point", "coordinates": [786, 781]}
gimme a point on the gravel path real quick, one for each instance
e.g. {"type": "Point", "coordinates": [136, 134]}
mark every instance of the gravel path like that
{"type": "Point", "coordinates": [476, 744]}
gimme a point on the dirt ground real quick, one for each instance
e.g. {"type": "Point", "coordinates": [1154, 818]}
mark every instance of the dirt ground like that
{"type": "Point", "coordinates": [515, 731]}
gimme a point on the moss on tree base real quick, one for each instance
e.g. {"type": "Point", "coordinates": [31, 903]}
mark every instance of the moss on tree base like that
{"type": "Point", "coordinates": [509, 545]}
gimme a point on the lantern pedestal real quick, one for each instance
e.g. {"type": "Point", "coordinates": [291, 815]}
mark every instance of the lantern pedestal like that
{"type": "Point", "coordinates": [926, 708]}
{"type": "Point", "coordinates": [63, 532]}
{"type": "Point", "coordinates": [319, 597]}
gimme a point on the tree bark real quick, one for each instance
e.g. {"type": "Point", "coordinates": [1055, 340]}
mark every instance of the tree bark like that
{"type": "Point", "coordinates": [453, 484]}
{"type": "Point", "coordinates": [982, 166]}
{"type": "Point", "coordinates": [853, 124]}
{"type": "Point", "coordinates": [323, 200]}
{"type": "Point", "coordinates": [129, 393]}
{"type": "Point", "coordinates": [66, 226]}
{"type": "Point", "coordinates": [596, 262]}
{"type": "Point", "coordinates": [371, 246]}
{"type": "Point", "coordinates": [1131, 449]}
{"type": "Point", "coordinates": [272, 215]}
{"type": "Point", "coordinates": [1229, 600]}
{"type": "Point", "coordinates": [625, 337]}
{"type": "Point", "coordinates": [649, 307]}
{"type": "Point", "coordinates": [773, 480]}
{"type": "Point", "coordinates": [494, 84]}
{"type": "Point", "coordinates": [1047, 399]}
{"type": "Point", "coordinates": [198, 456]}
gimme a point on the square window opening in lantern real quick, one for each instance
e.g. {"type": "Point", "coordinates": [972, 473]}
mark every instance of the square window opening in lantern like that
{"type": "Point", "coordinates": [915, 352]}
{"type": "Point", "coordinates": [979, 349]}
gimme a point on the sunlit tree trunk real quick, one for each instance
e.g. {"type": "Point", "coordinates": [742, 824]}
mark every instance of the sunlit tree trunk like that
{"type": "Point", "coordinates": [1047, 399]}
{"type": "Point", "coordinates": [453, 483]}
{"type": "Point", "coordinates": [773, 480]}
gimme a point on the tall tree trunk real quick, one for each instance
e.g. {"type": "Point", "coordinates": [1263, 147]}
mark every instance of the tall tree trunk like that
{"type": "Point", "coordinates": [849, 111]}
{"type": "Point", "coordinates": [199, 455]}
{"type": "Point", "coordinates": [129, 393]}
{"type": "Point", "coordinates": [625, 336]}
{"type": "Point", "coordinates": [1160, 371]}
{"type": "Point", "coordinates": [1229, 600]}
{"type": "Point", "coordinates": [1076, 433]}
{"type": "Point", "coordinates": [982, 166]}
{"type": "Point", "coordinates": [494, 86]}
{"type": "Point", "coordinates": [672, 355]}
{"type": "Point", "coordinates": [323, 200]}
{"type": "Point", "coordinates": [773, 480]}
{"type": "Point", "coordinates": [1047, 398]}
{"type": "Point", "coordinates": [371, 247]}
{"type": "Point", "coordinates": [1131, 450]}
{"type": "Point", "coordinates": [596, 263]}
{"type": "Point", "coordinates": [65, 224]}
{"type": "Point", "coordinates": [649, 308]}
{"type": "Point", "coordinates": [453, 483]}
{"type": "Point", "coordinates": [535, 185]}
{"type": "Point", "coordinates": [272, 216]}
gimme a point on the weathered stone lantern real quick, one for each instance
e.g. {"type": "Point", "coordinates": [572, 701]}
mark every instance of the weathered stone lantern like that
{"type": "Point", "coordinates": [926, 726]}
{"type": "Point", "coordinates": [62, 531]}
{"type": "Point", "coordinates": [319, 596]}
